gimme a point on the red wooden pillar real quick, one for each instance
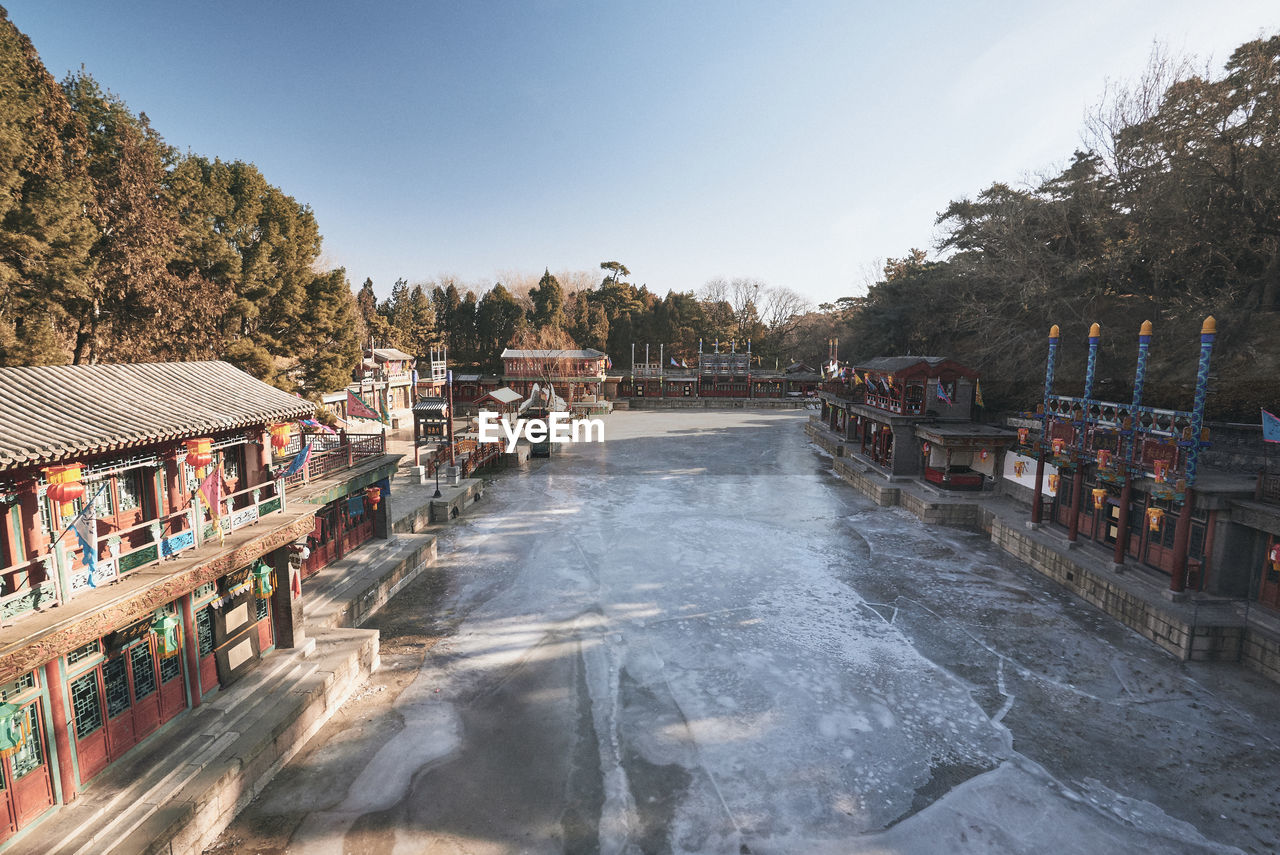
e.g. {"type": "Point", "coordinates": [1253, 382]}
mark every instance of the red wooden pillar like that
{"type": "Point", "coordinates": [174, 485]}
{"type": "Point", "coordinates": [191, 649]}
{"type": "Point", "coordinates": [1037, 503]}
{"type": "Point", "coordinates": [1077, 489]}
{"type": "Point", "coordinates": [29, 510]}
{"type": "Point", "coordinates": [1181, 534]}
{"type": "Point", "coordinates": [61, 730]}
{"type": "Point", "coordinates": [1122, 525]}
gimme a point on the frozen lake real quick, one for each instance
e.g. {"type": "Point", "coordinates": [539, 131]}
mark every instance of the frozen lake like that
{"type": "Point", "coordinates": [694, 638]}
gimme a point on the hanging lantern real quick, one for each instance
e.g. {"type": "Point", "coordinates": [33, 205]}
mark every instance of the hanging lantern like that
{"type": "Point", "coordinates": [374, 495]}
{"type": "Point", "coordinates": [1023, 433]}
{"type": "Point", "coordinates": [982, 455]}
{"type": "Point", "coordinates": [1154, 516]}
{"type": "Point", "coordinates": [1053, 483]}
{"type": "Point", "coordinates": [280, 436]}
{"type": "Point", "coordinates": [1104, 458]}
{"type": "Point", "coordinates": [168, 630]}
{"type": "Point", "coordinates": [924, 446]}
{"type": "Point", "coordinates": [199, 452]}
{"type": "Point", "coordinates": [1019, 466]}
{"type": "Point", "coordinates": [1058, 445]}
{"type": "Point", "coordinates": [264, 581]}
{"type": "Point", "coordinates": [1275, 556]}
{"type": "Point", "coordinates": [64, 485]}
{"type": "Point", "coordinates": [1099, 498]}
{"type": "Point", "coordinates": [14, 729]}
{"type": "Point", "coordinates": [1161, 469]}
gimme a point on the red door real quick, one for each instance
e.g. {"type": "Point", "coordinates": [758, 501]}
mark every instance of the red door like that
{"type": "Point", "coordinates": [1269, 589]}
{"type": "Point", "coordinates": [173, 689]}
{"type": "Point", "coordinates": [145, 678]}
{"type": "Point", "coordinates": [115, 679]}
{"type": "Point", "coordinates": [265, 640]}
{"type": "Point", "coordinates": [89, 723]}
{"type": "Point", "coordinates": [28, 769]}
{"type": "Point", "coordinates": [205, 646]}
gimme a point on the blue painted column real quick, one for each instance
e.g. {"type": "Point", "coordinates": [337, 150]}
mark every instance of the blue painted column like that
{"type": "Point", "coordinates": [1077, 478]}
{"type": "Point", "coordinates": [1126, 461]}
{"type": "Point", "coordinates": [1036, 501]}
{"type": "Point", "coordinates": [1178, 581]}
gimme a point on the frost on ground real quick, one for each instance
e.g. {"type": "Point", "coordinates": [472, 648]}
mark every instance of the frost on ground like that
{"type": "Point", "coordinates": [692, 638]}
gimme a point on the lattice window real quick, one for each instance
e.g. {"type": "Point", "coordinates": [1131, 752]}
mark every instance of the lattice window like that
{"type": "Point", "coordinates": [144, 671]}
{"type": "Point", "coordinates": [204, 631]}
{"type": "Point", "coordinates": [31, 755]}
{"type": "Point", "coordinates": [208, 589]}
{"type": "Point", "coordinates": [82, 653]}
{"type": "Point", "coordinates": [264, 608]}
{"type": "Point", "coordinates": [170, 667]}
{"type": "Point", "coordinates": [129, 487]}
{"type": "Point", "coordinates": [115, 675]}
{"type": "Point", "coordinates": [23, 684]}
{"type": "Point", "coordinates": [86, 704]}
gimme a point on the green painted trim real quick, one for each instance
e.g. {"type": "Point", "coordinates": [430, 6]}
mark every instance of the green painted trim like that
{"type": "Point", "coordinates": [356, 482]}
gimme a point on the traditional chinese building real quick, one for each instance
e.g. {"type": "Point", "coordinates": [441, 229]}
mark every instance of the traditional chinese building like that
{"type": "Point", "coordinates": [912, 415]}
{"type": "Point", "coordinates": [149, 521]}
{"type": "Point", "coordinates": [714, 375]}
{"type": "Point", "coordinates": [576, 375]}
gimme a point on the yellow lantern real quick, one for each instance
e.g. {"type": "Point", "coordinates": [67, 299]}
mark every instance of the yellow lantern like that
{"type": "Point", "coordinates": [1099, 497]}
{"type": "Point", "coordinates": [1023, 433]}
{"type": "Point", "coordinates": [1154, 516]}
{"type": "Point", "coordinates": [1019, 466]}
{"type": "Point", "coordinates": [1057, 445]}
{"type": "Point", "coordinates": [1160, 468]}
{"type": "Point", "coordinates": [64, 486]}
{"type": "Point", "coordinates": [1053, 483]}
{"type": "Point", "coordinates": [280, 436]}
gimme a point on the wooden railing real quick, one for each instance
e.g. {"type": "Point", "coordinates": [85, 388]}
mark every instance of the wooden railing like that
{"type": "Point", "coordinates": [60, 574]}
{"type": "Point", "coordinates": [332, 453]}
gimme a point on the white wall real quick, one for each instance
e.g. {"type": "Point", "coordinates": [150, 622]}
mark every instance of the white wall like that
{"type": "Point", "coordinates": [1028, 477]}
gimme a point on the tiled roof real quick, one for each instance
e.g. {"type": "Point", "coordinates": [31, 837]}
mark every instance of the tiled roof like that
{"type": "Point", "coordinates": [391, 354]}
{"type": "Point", "coordinates": [589, 353]}
{"type": "Point", "coordinates": [504, 395]}
{"type": "Point", "coordinates": [60, 412]}
{"type": "Point", "coordinates": [898, 363]}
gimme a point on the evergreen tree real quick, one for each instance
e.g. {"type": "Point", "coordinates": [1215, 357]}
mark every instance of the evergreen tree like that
{"type": "Point", "coordinates": [548, 302]}
{"type": "Point", "coordinates": [44, 236]}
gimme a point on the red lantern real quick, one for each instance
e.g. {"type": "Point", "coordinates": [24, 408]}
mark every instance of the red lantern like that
{"type": "Point", "coordinates": [924, 446]}
{"type": "Point", "coordinates": [199, 452]}
{"type": "Point", "coordinates": [982, 455]}
{"type": "Point", "coordinates": [1023, 433]}
{"type": "Point", "coordinates": [64, 485]}
{"type": "Point", "coordinates": [374, 495]}
{"type": "Point", "coordinates": [1104, 458]}
{"type": "Point", "coordinates": [280, 436]}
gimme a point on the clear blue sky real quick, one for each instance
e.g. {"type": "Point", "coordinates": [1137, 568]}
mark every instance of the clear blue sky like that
{"type": "Point", "coordinates": [798, 143]}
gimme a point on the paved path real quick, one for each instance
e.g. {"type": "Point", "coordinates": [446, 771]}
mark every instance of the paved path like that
{"type": "Point", "coordinates": [693, 638]}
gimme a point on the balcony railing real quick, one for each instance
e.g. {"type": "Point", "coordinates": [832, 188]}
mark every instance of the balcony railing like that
{"type": "Point", "coordinates": [331, 453]}
{"type": "Point", "coordinates": [59, 575]}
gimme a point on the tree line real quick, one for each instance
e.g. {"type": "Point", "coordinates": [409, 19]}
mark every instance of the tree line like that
{"type": "Point", "coordinates": [116, 247]}
{"type": "Point", "coordinates": [1169, 212]}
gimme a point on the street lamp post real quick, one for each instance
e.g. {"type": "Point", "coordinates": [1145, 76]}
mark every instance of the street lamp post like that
{"type": "Point", "coordinates": [436, 467]}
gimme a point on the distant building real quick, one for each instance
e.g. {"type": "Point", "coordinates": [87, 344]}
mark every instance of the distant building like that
{"type": "Point", "coordinates": [576, 375]}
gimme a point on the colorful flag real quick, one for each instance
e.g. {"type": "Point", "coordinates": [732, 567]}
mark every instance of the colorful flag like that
{"type": "Point", "coordinates": [357, 408]}
{"type": "Point", "coordinates": [1270, 427]}
{"type": "Point", "coordinates": [943, 396]}
{"type": "Point", "coordinates": [674, 364]}
{"type": "Point", "coordinates": [383, 415]}
{"type": "Point", "coordinates": [977, 394]}
{"type": "Point", "coordinates": [85, 525]}
{"type": "Point", "coordinates": [299, 460]}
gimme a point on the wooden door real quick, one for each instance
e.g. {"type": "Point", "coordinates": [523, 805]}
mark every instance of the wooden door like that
{"type": "Point", "coordinates": [265, 637]}
{"type": "Point", "coordinates": [1269, 589]}
{"type": "Point", "coordinates": [8, 823]}
{"type": "Point", "coordinates": [144, 680]}
{"type": "Point", "coordinates": [205, 646]}
{"type": "Point", "coordinates": [89, 723]}
{"type": "Point", "coordinates": [119, 703]}
{"type": "Point", "coordinates": [173, 689]}
{"type": "Point", "coordinates": [29, 770]}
